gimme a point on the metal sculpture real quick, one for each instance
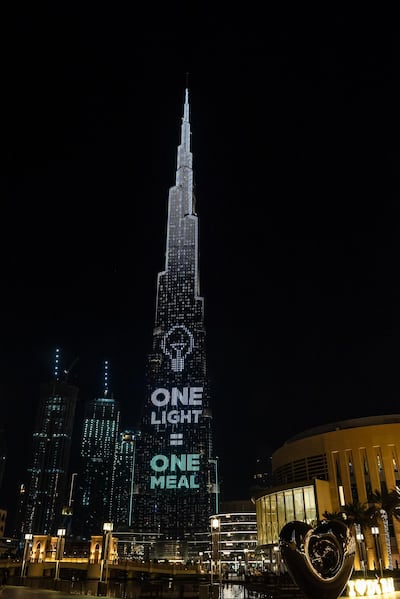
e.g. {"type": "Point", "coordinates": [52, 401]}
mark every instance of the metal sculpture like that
{"type": "Point", "coordinates": [320, 560]}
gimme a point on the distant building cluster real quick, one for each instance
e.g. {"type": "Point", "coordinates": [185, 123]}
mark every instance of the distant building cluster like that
{"type": "Point", "coordinates": [101, 490]}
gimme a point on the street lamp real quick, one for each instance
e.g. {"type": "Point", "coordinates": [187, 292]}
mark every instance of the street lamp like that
{"type": "Point", "coordinates": [201, 560]}
{"type": "Point", "coordinates": [59, 550]}
{"type": "Point", "coordinates": [215, 553]}
{"type": "Point", "coordinates": [277, 559]}
{"type": "Point", "coordinates": [27, 546]}
{"type": "Point", "coordinates": [375, 533]}
{"type": "Point", "coordinates": [361, 551]}
{"type": "Point", "coordinates": [246, 557]}
{"type": "Point", "coordinates": [107, 531]}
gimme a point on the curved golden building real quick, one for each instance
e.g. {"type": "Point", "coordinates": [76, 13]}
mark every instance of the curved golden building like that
{"type": "Point", "coordinates": [325, 468]}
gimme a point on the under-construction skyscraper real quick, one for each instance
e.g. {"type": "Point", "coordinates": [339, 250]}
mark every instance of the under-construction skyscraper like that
{"type": "Point", "coordinates": [175, 488]}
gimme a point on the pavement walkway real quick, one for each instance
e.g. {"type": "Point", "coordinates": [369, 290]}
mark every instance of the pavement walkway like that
{"type": "Point", "coordinates": [228, 592]}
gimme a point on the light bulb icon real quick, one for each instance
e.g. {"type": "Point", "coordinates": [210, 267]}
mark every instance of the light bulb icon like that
{"type": "Point", "coordinates": [178, 343]}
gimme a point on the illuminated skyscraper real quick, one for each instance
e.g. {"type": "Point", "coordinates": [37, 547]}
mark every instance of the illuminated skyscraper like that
{"type": "Point", "coordinates": [98, 461]}
{"type": "Point", "coordinates": [47, 487]}
{"type": "Point", "coordinates": [175, 483]}
{"type": "Point", "coordinates": [122, 501]}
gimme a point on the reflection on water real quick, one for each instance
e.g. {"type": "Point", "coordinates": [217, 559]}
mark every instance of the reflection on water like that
{"type": "Point", "coordinates": [11, 592]}
{"type": "Point", "coordinates": [227, 591]}
{"type": "Point", "coordinates": [232, 591]}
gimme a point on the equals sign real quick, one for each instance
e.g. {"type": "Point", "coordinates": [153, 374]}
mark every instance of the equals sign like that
{"type": "Point", "coordinates": [176, 439]}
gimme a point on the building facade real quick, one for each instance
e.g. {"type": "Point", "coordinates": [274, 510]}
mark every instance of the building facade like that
{"type": "Point", "coordinates": [175, 479]}
{"type": "Point", "coordinates": [325, 469]}
{"type": "Point", "coordinates": [233, 541]}
{"type": "Point", "coordinates": [122, 504]}
{"type": "Point", "coordinates": [47, 488]}
{"type": "Point", "coordinates": [99, 443]}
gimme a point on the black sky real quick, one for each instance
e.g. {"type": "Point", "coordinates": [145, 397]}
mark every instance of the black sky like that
{"type": "Point", "coordinates": [295, 144]}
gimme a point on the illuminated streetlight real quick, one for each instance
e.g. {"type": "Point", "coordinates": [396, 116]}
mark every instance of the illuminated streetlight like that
{"type": "Point", "coordinates": [277, 559]}
{"type": "Point", "coordinates": [201, 560]}
{"type": "Point", "coordinates": [361, 551]}
{"type": "Point", "coordinates": [107, 531]}
{"type": "Point", "coordinates": [59, 550]}
{"type": "Point", "coordinates": [215, 549]}
{"type": "Point", "coordinates": [375, 533]}
{"type": "Point", "coordinates": [246, 555]}
{"type": "Point", "coordinates": [27, 546]}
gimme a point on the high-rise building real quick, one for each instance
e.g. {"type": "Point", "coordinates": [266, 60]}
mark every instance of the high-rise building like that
{"type": "Point", "coordinates": [47, 487]}
{"type": "Point", "coordinates": [122, 503]}
{"type": "Point", "coordinates": [101, 422]}
{"type": "Point", "coordinates": [175, 476]}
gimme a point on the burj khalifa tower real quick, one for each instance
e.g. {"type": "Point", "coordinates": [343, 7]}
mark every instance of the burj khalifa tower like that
{"type": "Point", "coordinates": [176, 478]}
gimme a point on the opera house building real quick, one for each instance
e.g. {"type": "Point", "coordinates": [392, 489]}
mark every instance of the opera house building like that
{"type": "Point", "coordinates": [349, 467]}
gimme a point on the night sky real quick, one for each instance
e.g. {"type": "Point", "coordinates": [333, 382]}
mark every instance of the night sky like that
{"type": "Point", "coordinates": [295, 134]}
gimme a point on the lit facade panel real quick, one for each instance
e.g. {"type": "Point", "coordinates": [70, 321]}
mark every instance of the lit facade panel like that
{"type": "Point", "coordinates": [276, 509]}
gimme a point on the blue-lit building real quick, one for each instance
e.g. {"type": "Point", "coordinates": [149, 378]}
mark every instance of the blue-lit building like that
{"type": "Point", "coordinates": [95, 488]}
{"type": "Point", "coordinates": [175, 476]}
{"type": "Point", "coordinates": [122, 501]}
{"type": "Point", "coordinates": [47, 488]}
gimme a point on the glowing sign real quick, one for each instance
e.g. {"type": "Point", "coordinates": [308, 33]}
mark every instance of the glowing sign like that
{"type": "Point", "coordinates": [188, 396]}
{"type": "Point", "coordinates": [185, 463]}
{"type": "Point", "coordinates": [191, 396]}
{"type": "Point", "coordinates": [177, 344]}
{"type": "Point", "coordinates": [164, 467]}
{"type": "Point", "coordinates": [176, 416]}
{"type": "Point", "coordinates": [370, 587]}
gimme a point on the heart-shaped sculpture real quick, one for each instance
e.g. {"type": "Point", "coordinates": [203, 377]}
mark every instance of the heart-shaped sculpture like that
{"type": "Point", "coordinates": [320, 560]}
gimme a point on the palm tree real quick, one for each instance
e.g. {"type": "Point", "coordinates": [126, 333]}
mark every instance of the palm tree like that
{"type": "Point", "coordinates": [333, 516]}
{"type": "Point", "coordinates": [359, 513]}
{"type": "Point", "coordinates": [359, 516]}
{"type": "Point", "coordinates": [387, 505]}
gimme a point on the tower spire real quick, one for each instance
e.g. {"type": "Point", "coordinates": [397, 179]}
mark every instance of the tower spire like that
{"type": "Point", "coordinates": [57, 364]}
{"type": "Point", "coordinates": [105, 378]}
{"type": "Point", "coordinates": [184, 172]}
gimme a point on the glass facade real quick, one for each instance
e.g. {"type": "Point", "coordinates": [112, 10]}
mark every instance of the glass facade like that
{"type": "Point", "coordinates": [175, 480]}
{"type": "Point", "coordinates": [233, 543]}
{"type": "Point", "coordinates": [98, 456]}
{"type": "Point", "coordinates": [122, 503]}
{"type": "Point", "coordinates": [277, 509]}
{"type": "Point", "coordinates": [51, 451]}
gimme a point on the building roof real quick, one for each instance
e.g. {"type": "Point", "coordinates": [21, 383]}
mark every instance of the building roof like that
{"type": "Point", "coordinates": [343, 424]}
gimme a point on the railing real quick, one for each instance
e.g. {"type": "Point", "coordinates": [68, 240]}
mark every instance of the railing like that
{"type": "Point", "coordinates": [82, 563]}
